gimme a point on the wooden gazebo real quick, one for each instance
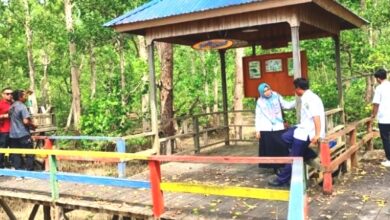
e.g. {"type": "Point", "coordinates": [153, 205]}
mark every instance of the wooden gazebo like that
{"type": "Point", "coordinates": [268, 23]}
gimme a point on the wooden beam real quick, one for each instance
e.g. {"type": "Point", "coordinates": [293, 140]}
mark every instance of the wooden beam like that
{"type": "Point", "coordinates": [33, 212]}
{"type": "Point", "coordinates": [7, 210]}
{"type": "Point", "coordinates": [153, 97]}
{"type": "Point", "coordinates": [224, 24]}
{"type": "Point", "coordinates": [224, 159]}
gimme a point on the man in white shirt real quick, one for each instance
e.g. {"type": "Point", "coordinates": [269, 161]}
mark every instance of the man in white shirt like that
{"type": "Point", "coordinates": [310, 129]}
{"type": "Point", "coordinates": [381, 110]}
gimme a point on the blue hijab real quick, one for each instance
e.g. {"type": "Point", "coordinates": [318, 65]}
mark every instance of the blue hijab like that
{"type": "Point", "coordinates": [270, 105]}
{"type": "Point", "coordinates": [261, 89]}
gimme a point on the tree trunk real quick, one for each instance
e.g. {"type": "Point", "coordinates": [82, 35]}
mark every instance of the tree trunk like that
{"type": "Point", "coordinates": [30, 58]}
{"type": "Point", "coordinates": [121, 52]}
{"type": "Point", "coordinates": [46, 101]}
{"type": "Point", "coordinates": [166, 92]}
{"type": "Point", "coordinates": [92, 62]}
{"type": "Point", "coordinates": [76, 96]}
{"type": "Point", "coordinates": [143, 54]}
{"type": "Point", "coordinates": [238, 93]}
{"type": "Point", "coordinates": [206, 83]}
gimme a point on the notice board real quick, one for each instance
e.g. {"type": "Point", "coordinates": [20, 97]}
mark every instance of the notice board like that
{"type": "Point", "coordinates": [274, 69]}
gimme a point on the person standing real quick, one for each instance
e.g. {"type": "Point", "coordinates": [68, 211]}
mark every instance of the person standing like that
{"type": "Point", "coordinates": [5, 105]}
{"type": "Point", "coordinates": [20, 136]}
{"type": "Point", "coordinates": [309, 130]}
{"type": "Point", "coordinates": [269, 123]}
{"type": "Point", "coordinates": [381, 110]}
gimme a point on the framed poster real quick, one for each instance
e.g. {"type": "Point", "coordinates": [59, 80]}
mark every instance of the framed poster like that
{"type": "Point", "coordinates": [254, 70]}
{"type": "Point", "coordinates": [273, 65]}
{"type": "Point", "coordinates": [290, 64]}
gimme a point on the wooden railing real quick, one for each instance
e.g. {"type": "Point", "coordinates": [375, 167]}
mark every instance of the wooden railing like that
{"type": "Point", "coordinates": [344, 153]}
{"type": "Point", "coordinates": [296, 197]}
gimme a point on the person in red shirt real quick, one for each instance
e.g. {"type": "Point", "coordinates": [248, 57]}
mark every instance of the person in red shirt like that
{"type": "Point", "coordinates": [5, 105]}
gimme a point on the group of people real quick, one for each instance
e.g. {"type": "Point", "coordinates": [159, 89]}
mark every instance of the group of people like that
{"type": "Point", "coordinates": [15, 126]}
{"type": "Point", "coordinates": [277, 140]}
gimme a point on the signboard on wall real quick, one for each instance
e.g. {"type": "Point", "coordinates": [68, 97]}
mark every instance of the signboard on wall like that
{"type": "Point", "coordinates": [273, 69]}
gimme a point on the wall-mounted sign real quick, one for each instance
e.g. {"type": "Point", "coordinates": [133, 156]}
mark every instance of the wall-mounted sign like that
{"type": "Point", "coordinates": [213, 44]}
{"type": "Point", "coordinates": [274, 69]}
{"type": "Point", "coordinates": [254, 70]}
{"type": "Point", "coordinates": [273, 65]}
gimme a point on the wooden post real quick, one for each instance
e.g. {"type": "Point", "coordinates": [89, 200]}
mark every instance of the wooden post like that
{"type": "Point", "coordinates": [296, 62]}
{"type": "Point", "coordinates": [195, 124]}
{"type": "Point", "coordinates": [152, 98]}
{"type": "Point", "coordinates": [325, 161]}
{"type": "Point", "coordinates": [53, 178]}
{"type": "Point", "coordinates": [121, 148]}
{"type": "Point", "coordinates": [157, 194]}
{"type": "Point", "coordinates": [336, 40]}
{"type": "Point", "coordinates": [46, 212]}
{"type": "Point", "coordinates": [352, 141]}
{"type": "Point", "coordinates": [370, 144]}
{"type": "Point", "coordinates": [296, 51]}
{"type": "Point", "coordinates": [58, 213]}
{"type": "Point", "coordinates": [48, 146]}
{"type": "Point", "coordinates": [224, 96]}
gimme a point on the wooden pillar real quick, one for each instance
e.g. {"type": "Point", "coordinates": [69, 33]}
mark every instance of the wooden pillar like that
{"type": "Point", "coordinates": [327, 185]}
{"type": "Point", "coordinates": [157, 194]}
{"type": "Point", "coordinates": [296, 51]}
{"type": "Point", "coordinates": [296, 62]}
{"type": "Point", "coordinates": [222, 54]}
{"type": "Point", "coordinates": [336, 40]}
{"type": "Point", "coordinates": [152, 98]}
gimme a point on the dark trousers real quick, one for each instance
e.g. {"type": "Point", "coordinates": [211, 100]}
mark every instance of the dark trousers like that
{"type": "Point", "coordinates": [288, 137]}
{"type": "Point", "coordinates": [4, 143]}
{"type": "Point", "coordinates": [384, 130]}
{"type": "Point", "coordinates": [298, 148]}
{"type": "Point", "coordinates": [16, 159]}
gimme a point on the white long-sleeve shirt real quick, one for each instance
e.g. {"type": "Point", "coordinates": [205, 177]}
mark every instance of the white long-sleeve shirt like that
{"type": "Point", "coordinates": [262, 120]}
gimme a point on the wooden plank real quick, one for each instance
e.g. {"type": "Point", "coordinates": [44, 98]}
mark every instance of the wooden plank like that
{"type": "Point", "coordinates": [296, 204]}
{"type": "Point", "coordinates": [74, 153]}
{"type": "Point", "coordinates": [246, 192]}
{"type": "Point", "coordinates": [223, 159]}
{"type": "Point", "coordinates": [78, 178]}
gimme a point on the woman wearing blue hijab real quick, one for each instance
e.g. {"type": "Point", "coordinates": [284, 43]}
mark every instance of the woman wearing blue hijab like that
{"type": "Point", "coordinates": [269, 124]}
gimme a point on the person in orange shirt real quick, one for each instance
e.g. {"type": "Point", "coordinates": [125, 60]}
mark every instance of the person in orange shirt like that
{"type": "Point", "coordinates": [5, 104]}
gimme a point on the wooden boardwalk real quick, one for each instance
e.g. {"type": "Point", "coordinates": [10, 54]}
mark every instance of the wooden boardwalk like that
{"type": "Point", "coordinates": [361, 195]}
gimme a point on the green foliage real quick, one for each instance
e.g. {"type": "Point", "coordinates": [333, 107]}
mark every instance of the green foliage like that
{"type": "Point", "coordinates": [355, 107]}
{"type": "Point", "coordinates": [105, 116]}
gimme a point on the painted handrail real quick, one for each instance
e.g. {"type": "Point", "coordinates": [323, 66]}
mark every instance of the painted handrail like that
{"type": "Point", "coordinates": [296, 196]}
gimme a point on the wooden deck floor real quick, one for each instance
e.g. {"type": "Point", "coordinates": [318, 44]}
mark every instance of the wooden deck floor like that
{"type": "Point", "coordinates": [361, 195]}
